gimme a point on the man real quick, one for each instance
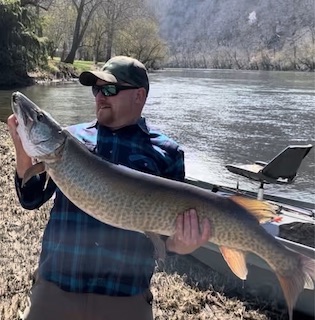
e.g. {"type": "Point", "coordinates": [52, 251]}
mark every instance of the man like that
{"type": "Point", "coordinates": [87, 269]}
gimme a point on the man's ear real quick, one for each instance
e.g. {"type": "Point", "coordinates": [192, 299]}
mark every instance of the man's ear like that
{"type": "Point", "coordinates": [141, 95]}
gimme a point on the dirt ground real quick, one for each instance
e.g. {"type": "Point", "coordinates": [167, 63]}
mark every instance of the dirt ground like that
{"type": "Point", "coordinates": [184, 289]}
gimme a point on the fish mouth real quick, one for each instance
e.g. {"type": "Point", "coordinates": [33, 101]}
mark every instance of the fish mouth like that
{"type": "Point", "coordinates": [28, 111]}
{"type": "Point", "coordinates": [21, 111]}
{"type": "Point", "coordinates": [24, 108]}
{"type": "Point", "coordinates": [40, 134]}
{"type": "Point", "coordinates": [15, 102]}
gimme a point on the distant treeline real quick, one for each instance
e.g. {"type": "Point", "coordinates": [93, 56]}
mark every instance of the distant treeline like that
{"type": "Point", "coordinates": [241, 34]}
{"type": "Point", "coordinates": [238, 34]}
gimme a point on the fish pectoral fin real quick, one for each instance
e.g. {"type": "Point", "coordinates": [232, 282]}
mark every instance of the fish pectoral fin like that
{"type": "Point", "coordinates": [262, 210]}
{"type": "Point", "coordinates": [236, 261]}
{"type": "Point", "coordinates": [159, 245]}
{"type": "Point", "coordinates": [46, 181]}
{"type": "Point", "coordinates": [35, 169]}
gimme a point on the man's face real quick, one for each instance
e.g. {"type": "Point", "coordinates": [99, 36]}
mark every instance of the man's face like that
{"type": "Point", "coordinates": [120, 110]}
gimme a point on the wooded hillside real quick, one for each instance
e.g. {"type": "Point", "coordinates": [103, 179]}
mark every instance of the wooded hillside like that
{"type": "Point", "coordinates": [255, 34]}
{"type": "Point", "coordinates": [238, 34]}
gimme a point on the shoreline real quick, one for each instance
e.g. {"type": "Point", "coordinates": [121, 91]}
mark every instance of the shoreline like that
{"type": "Point", "coordinates": [56, 81]}
{"type": "Point", "coordinates": [62, 73]}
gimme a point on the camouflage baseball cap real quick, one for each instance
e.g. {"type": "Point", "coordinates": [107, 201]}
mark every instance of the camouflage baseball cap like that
{"type": "Point", "coordinates": [119, 69]}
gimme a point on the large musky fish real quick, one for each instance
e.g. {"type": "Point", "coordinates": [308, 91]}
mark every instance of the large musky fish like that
{"type": "Point", "coordinates": [141, 202]}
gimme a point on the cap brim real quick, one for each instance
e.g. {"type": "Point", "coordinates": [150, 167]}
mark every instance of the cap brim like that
{"type": "Point", "coordinates": [89, 78]}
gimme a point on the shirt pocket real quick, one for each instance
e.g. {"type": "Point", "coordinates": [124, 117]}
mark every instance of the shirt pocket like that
{"type": "Point", "coordinates": [144, 164]}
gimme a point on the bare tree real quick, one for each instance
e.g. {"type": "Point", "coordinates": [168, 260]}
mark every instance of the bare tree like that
{"type": "Point", "coordinates": [57, 26]}
{"type": "Point", "coordinates": [117, 14]}
{"type": "Point", "coordinates": [85, 10]}
{"type": "Point", "coordinates": [42, 4]}
{"type": "Point", "coordinates": [141, 40]}
{"type": "Point", "coordinates": [93, 44]}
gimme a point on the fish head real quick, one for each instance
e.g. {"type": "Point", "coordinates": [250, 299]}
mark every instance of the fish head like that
{"type": "Point", "coordinates": [40, 134]}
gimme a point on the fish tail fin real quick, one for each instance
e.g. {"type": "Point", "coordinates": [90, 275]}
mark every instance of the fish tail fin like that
{"type": "Point", "coordinates": [293, 285]}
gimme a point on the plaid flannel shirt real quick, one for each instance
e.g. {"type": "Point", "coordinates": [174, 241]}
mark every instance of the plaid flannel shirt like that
{"type": "Point", "coordinates": [81, 254]}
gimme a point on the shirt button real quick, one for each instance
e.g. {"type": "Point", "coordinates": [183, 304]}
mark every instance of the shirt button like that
{"type": "Point", "coordinates": [145, 164]}
{"type": "Point", "coordinates": [110, 151]}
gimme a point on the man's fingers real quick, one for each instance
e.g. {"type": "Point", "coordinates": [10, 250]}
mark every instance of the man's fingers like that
{"type": "Point", "coordinates": [12, 124]}
{"type": "Point", "coordinates": [189, 234]}
{"type": "Point", "coordinates": [206, 230]}
{"type": "Point", "coordinates": [11, 121]}
{"type": "Point", "coordinates": [186, 225]}
{"type": "Point", "coordinates": [180, 226]}
{"type": "Point", "coordinates": [194, 226]}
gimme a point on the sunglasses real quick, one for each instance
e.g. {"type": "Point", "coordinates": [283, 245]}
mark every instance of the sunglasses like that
{"type": "Point", "coordinates": [109, 90]}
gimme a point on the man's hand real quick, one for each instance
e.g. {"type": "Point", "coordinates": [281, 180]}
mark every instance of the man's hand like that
{"type": "Point", "coordinates": [189, 235]}
{"type": "Point", "coordinates": [12, 125]}
{"type": "Point", "coordinates": [23, 161]}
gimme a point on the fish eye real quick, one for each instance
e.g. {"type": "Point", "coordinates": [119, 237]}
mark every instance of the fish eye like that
{"type": "Point", "coordinates": [40, 116]}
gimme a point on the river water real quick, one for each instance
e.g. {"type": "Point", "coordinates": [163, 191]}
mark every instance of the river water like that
{"type": "Point", "coordinates": [219, 117]}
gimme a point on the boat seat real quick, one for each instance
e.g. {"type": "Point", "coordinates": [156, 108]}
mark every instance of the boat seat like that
{"type": "Point", "coordinates": [282, 169]}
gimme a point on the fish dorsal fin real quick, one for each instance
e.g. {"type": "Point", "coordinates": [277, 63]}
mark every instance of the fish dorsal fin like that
{"type": "Point", "coordinates": [35, 169]}
{"type": "Point", "coordinates": [262, 210]}
{"type": "Point", "coordinates": [236, 261]}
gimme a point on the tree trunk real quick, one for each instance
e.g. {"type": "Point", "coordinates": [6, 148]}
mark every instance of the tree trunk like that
{"type": "Point", "coordinates": [77, 35]}
{"type": "Point", "coordinates": [109, 45]}
{"type": "Point", "coordinates": [63, 53]}
{"type": "Point", "coordinates": [78, 30]}
{"type": "Point", "coordinates": [96, 54]}
{"type": "Point", "coordinates": [71, 55]}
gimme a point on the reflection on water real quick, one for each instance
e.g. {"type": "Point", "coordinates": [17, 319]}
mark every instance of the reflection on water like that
{"type": "Point", "coordinates": [218, 116]}
{"type": "Point", "coordinates": [68, 103]}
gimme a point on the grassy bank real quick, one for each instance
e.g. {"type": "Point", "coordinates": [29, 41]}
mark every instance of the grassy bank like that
{"type": "Point", "coordinates": [56, 70]}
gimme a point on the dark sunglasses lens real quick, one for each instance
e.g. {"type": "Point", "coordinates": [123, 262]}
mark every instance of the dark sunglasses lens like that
{"type": "Point", "coordinates": [107, 90]}
{"type": "Point", "coordinates": [95, 90]}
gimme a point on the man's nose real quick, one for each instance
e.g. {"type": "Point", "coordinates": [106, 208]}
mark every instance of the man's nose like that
{"type": "Point", "coordinates": [100, 96]}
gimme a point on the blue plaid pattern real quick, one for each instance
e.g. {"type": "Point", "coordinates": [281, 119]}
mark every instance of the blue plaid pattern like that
{"type": "Point", "coordinates": [81, 254]}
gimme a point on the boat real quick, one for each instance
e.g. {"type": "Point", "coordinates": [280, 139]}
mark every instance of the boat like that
{"type": "Point", "coordinates": [261, 279]}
